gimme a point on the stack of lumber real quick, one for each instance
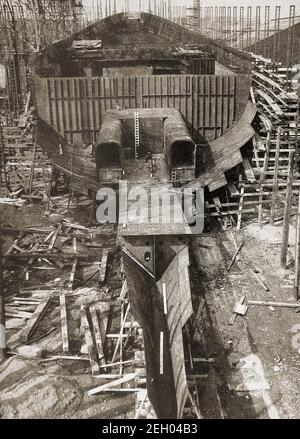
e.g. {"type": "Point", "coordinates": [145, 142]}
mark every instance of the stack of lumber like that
{"type": "Point", "coordinates": [23, 162]}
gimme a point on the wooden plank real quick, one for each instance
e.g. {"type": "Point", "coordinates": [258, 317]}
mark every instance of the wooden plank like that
{"type": "Point", "coordinates": [64, 357]}
{"type": "Point", "coordinates": [234, 256]}
{"type": "Point", "coordinates": [233, 190]}
{"type": "Point", "coordinates": [262, 177]}
{"type": "Point", "coordinates": [120, 334]}
{"type": "Point", "coordinates": [25, 302]}
{"type": "Point", "coordinates": [239, 220]}
{"type": "Point", "coordinates": [103, 266]}
{"type": "Point", "coordinates": [103, 308]}
{"type": "Point", "coordinates": [37, 316]}
{"type": "Point", "coordinates": [74, 245]}
{"type": "Point", "coordinates": [54, 237]}
{"type": "Point", "coordinates": [164, 298]}
{"type": "Point", "coordinates": [97, 333]}
{"type": "Point", "coordinates": [108, 386]}
{"type": "Point", "coordinates": [120, 390]}
{"type": "Point", "coordinates": [161, 353]}
{"type": "Point", "coordinates": [287, 212]}
{"type": "Point", "coordinates": [140, 404]}
{"type": "Point", "coordinates": [64, 321]}
{"type": "Point", "coordinates": [124, 291]}
{"type": "Point", "coordinates": [72, 275]}
{"type": "Point", "coordinates": [18, 314]}
{"type": "Point", "coordinates": [31, 177]}
{"type": "Point", "coordinates": [90, 344]}
{"type": "Point", "coordinates": [117, 363]}
{"type": "Point", "coordinates": [234, 316]}
{"type": "Point", "coordinates": [248, 171]}
{"type": "Point", "coordinates": [259, 280]}
{"type": "Point", "coordinates": [195, 406]}
{"type": "Point", "coordinates": [275, 177]}
{"type": "Point", "coordinates": [297, 253]}
{"type": "Point", "coordinates": [197, 325]}
{"type": "Point", "coordinates": [218, 206]}
{"type": "Point", "coordinates": [276, 304]}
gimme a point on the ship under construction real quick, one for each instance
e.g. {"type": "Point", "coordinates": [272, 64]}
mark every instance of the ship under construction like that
{"type": "Point", "coordinates": [195, 109]}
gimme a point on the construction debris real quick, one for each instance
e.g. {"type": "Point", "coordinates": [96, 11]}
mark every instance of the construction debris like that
{"type": "Point", "coordinates": [176, 98]}
{"type": "Point", "coordinates": [275, 304]}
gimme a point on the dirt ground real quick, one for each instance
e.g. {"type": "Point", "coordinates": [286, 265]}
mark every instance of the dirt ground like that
{"type": "Point", "coordinates": [266, 335]}
{"type": "Point", "coordinates": [32, 387]}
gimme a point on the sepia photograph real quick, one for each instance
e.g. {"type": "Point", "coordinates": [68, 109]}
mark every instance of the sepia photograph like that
{"type": "Point", "coordinates": [149, 212]}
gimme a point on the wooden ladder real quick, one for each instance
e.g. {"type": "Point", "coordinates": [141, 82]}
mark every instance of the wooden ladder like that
{"type": "Point", "coordinates": [136, 134]}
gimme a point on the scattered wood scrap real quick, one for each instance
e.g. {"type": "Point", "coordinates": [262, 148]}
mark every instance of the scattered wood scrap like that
{"type": "Point", "coordinates": [120, 335]}
{"type": "Point", "coordinates": [275, 304]}
{"type": "Point", "coordinates": [37, 316]}
{"type": "Point", "coordinates": [72, 275]}
{"type": "Point", "coordinates": [97, 333]}
{"type": "Point", "coordinates": [64, 321]}
{"type": "Point", "coordinates": [234, 256]}
{"type": "Point", "coordinates": [103, 266]}
{"type": "Point", "coordinates": [90, 345]}
{"type": "Point", "coordinates": [54, 237]}
{"type": "Point", "coordinates": [124, 291]}
{"type": "Point", "coordinates": [239, 309]}
{"type": "Point", "coordinates": [249, 171]}
{"type": "Point", "coordinates": [260, 279]}
{"type": "Point", "coordinates": [112, 386]}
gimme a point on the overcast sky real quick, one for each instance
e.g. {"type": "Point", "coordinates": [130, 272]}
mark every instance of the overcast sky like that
{"type": "Point", "coordinates": [284, 4]}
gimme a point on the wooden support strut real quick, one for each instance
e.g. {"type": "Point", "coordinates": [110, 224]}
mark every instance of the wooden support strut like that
{"type": "Point", "coordinates": [97, 332]}
{"type": "Point", "coordinates": [234, 256]}
{"type": "Point", "coordinates": [72, 275]}
{"type": "Point", "coordinates": [287, 212]}
{"type": "Point", "coordinates": [54, 237]}
{"type": "Point", "coordinates": [103, 266]}
{"type": "Point", "coordinates": [262, 178]}
{"type": "Point", "coordinates": [35, 319]}
{"type": "Point", "coordinates": [238, 226]}
{"type": "Point", "coordinates": [64, 321]}
{"type": "Point", "coordinates": [120, 334]}
{"type": "Point", "coordinates": [297, 253]}
{"type": "Point", "coordinates": [275, 177]}
{"type": "Point", "coordinates": [89, 343]}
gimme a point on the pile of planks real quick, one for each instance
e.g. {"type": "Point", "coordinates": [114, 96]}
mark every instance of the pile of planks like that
{"type": "Point", "coordinates": [23, 162]}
